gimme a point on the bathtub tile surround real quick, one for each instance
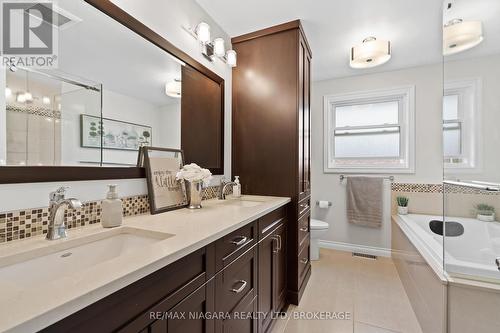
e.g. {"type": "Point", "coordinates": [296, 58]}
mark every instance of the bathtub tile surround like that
{"type": "Point", "coordinates": [428, 199]}
{"type": "Point", "coordinates": [31, 222]}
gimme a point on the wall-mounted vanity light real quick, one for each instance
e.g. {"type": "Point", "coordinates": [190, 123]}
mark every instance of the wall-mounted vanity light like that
{"type": "Point", "coordinates": [212, 49]}
{"type": "Point", "coordinates": [8, 92]}
{"type": "Point", "coordinates": [174, 88]}
{"type": "Point", "coordinates": [370, 53]}
{"type": "Point", "coordinates": [46, 100]}
{"type": "Point", "coordinates": [460, 35]}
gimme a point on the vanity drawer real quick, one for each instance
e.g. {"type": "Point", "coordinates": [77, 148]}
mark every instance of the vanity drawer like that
{"type": "Point", "coordinates": [233, 245]}
{"type": "Point", "coordinates": [303, 261]}
{"type": "Point", "coordinates": [304, 206]}
{"type": "Point", "coordinates": [269, 222]}
{"type": "Point", "coordinates": [236, 281]}
{"type": "Point", "coordinates": [303, 229]}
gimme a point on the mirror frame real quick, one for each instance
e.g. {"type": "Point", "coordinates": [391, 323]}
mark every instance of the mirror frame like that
{"type": "Point", "coordinates": [36, 174]}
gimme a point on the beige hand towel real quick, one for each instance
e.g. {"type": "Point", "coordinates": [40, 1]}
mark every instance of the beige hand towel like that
{"type": "Point", "coordinates": [364, 201]}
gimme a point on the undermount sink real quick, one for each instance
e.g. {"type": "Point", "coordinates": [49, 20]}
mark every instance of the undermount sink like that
{"type": "Point", "coordinates": [69, 256]}
{"type": "Point", "coordinates": [242, 203]}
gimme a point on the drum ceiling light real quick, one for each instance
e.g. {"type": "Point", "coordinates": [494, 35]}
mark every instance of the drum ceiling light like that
{"type": "Point", "coordinates": [460, 35]}
{"type": "Point", "coordinates": [370, 53]}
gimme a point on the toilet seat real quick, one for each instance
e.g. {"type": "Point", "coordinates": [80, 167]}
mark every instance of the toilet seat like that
{"type": "Point", "coordinates": [318, 225]}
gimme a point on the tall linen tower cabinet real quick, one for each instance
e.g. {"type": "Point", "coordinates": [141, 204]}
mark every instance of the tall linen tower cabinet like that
{"type": "Point", "coordinates": [271, 132]}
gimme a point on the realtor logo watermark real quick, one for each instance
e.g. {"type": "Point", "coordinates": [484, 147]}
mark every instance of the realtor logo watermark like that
{"type": "Point", "coordinates": [29, 37]}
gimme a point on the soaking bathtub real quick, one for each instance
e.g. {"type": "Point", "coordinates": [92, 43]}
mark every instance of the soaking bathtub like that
{"type": "Point", "coordinates": [470, 255]}
{"type": "Point", "coordinates": [465, 296]}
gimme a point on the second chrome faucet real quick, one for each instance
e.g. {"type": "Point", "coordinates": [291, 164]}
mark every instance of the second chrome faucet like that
{"type": "Point", "coordinates": [57, 205]}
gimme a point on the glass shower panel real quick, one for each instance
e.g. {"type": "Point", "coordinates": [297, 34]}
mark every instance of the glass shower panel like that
{"type": "Point", "coordinates": [43, 119]}
{"type": "Point", "coordinates": [471, 117]}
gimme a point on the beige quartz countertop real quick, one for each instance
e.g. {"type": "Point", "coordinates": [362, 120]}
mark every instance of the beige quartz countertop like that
{"type": "Point", "coordinates": [29, 307]}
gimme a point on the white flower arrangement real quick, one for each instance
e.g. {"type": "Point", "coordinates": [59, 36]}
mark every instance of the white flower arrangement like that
{"type": "Point", "coordinates": [194, 173]}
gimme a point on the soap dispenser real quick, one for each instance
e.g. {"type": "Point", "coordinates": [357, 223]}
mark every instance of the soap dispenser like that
{"type": "Point", "coordinates": [237, 187]}
{"type": "Point", "coordinates": [112, 212]}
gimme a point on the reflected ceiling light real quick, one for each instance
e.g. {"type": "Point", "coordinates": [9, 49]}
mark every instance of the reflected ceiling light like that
{"type": "Point", "coordinates": [203, 32]}
{"type": "Point", "coordinates": [231, 58]}
{"type": "Point", "coordinates": [45, 100]}
{"type": "Point", "coordinates": [372, 52]}
{"type": "Point", "coordinates": [460, 35]}
{"type": "Point", "coordinates": [8, 92]}
{"type": "Point", "coordinates": [21, 98]}
{"type": "Point", "coordinates": [219, 49]}
{"type": "Point", "coordinates": [28, 96]}
{"type": "Point", "coordinates": [174, 89]}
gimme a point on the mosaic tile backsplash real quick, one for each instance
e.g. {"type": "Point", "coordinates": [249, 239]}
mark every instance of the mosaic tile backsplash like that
{"type": "Point", "coordinates": [26, 223]}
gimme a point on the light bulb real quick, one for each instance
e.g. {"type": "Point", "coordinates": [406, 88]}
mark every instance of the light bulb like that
{"type": "Point", "coordinates": [231, 58]}
{"type": "Point", "coordinates": [203, 32]}
{"type": "Point", "coordinates": [8, 92]}
{"type": "Point", "coordinates": [219, 48]}
{"type": "Point", "coordinates": [46, 100]}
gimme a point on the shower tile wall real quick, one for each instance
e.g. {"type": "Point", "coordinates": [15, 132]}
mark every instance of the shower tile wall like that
{"type": "Point", "coordinates": [33, 137]}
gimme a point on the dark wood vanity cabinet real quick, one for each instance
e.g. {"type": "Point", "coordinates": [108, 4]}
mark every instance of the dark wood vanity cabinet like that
{"type": "Point", "coordinates": [271, 130]}
{"type": "Point", "coordinates": [219, 288]}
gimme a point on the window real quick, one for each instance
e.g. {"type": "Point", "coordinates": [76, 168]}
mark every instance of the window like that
{"type": "Point", "coordinates": [370, 131]}
{"type": "Point", "coordinates": [460, 113]}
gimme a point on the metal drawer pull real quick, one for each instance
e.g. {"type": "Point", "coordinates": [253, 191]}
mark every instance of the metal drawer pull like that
{"type": "Point", "coordinates": [277, 248]}
{"type": "Point", "coordinates": [279, 242]}
{"type": "Point", "coordinates": [304, 229]}
{"type": "Point", "coordinates": [240, 289]}
{"type": "Point", "coordinates": [242, 240]}
{"type": "Point", "coordinates": [304, 261]}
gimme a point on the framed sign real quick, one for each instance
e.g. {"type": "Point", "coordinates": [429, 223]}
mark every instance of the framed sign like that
{"type": "Point", "coordinates": [164, 190]}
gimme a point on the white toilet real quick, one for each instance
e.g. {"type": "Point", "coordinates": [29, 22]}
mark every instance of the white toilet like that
{"type": "Point", "coordinates": [318, 228]}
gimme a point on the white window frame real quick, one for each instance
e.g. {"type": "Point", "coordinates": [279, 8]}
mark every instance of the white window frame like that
{"type": "Point", "coordinates": [469, 115]}
{"type": "Point", "coordinates": [405, 95]}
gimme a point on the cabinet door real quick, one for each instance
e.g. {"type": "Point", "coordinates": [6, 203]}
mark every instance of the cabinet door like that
{"type": "Point", "coordinates": [304, 116]}
{"type": "Point", "coordinates": [190, 314]}
{"type": "Point", "coordinates": [279, 269]}
{"type": "Point", "coordinates": [272, 275]}
{"type": "Point", "coordinates": [267, 249]}
{"type": "Point", "coordinates": [307, 123]}
{"type": "Point", "coordinates": [187, 316]}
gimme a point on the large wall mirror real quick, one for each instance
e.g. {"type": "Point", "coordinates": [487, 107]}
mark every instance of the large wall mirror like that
{"type": "Point", "coordinates": [471, 109]}
{"type": "Point", "coordinates": [118, 86]}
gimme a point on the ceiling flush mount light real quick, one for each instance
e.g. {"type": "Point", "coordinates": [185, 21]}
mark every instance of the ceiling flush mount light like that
{"type": "Point", "coordinates": [460, 35]}
{"type": "Point", "coordinates": [372, 52]}
{"type": "Point", "coordinates": [212, 49]}
{"type": "Point", "coordinates": [174, 89]}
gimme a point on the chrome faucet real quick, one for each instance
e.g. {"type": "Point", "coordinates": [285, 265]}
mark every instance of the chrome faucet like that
{"type": "Point", "coordinates": [222, 188]}
{"type": "Point", "coordinates": [57, 204]}
{"type": "Point", "coordinates": [497, 261]}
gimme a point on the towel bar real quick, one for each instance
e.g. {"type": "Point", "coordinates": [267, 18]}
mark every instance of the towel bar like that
{"type": "Point", "coordinates": [391, 178]}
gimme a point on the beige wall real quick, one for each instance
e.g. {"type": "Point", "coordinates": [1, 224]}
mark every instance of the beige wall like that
{"type": "Point", "coordinates": [428, 84]}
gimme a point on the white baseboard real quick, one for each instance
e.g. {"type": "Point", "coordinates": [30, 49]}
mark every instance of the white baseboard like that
{"type": "Point", "coordinates": [376, 251]}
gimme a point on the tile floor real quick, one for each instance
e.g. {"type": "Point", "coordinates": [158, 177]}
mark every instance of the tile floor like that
{"type": "Point", "coordinates": [369, 289]}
